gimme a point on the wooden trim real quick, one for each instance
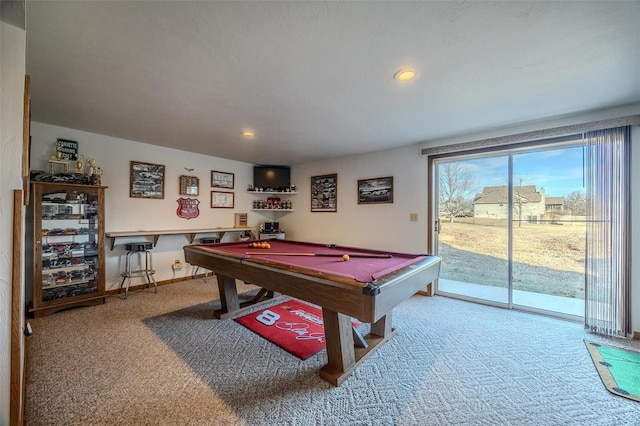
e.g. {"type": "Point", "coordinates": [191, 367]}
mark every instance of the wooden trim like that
{"type": "Point", "coordinates": [48, 310]}
{"type": "Point", "coordinates": [18, 347]}
{"type": "Point", "coordinates": [142, 286]}
{"type": "Point", "coordinates": [427, 291]}
{"type": "Point", "coordinates": [26, 128]}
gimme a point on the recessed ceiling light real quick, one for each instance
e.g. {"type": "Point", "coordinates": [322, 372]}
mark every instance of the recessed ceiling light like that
{"type": "Point", "coordinates": [405, 74]}
{"type": "Point", "coordinates": [247, 133]}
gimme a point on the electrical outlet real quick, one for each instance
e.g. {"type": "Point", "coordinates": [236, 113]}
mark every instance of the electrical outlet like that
{"type": "Point", "coordinates": [413, 217]}
{"type": "Point", "coordinates": [177, 265]}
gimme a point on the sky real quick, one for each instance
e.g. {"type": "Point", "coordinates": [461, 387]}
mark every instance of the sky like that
{"type": "Point", "coordinates": [559, 171]}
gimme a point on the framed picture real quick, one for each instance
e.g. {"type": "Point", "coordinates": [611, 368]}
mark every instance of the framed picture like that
{"type": "Point", "coordinates": [324, 193]}
{"type": "Point", "coordinates": [146, 180]}
{"type": "Point", "coordinates": [189, 185]}
{"type": "Point", "coordinates": [221, 180]}
{"type": "Point", "coordinates": [376, 190]}
{"type": "Point", "coordinates": [221, 200]}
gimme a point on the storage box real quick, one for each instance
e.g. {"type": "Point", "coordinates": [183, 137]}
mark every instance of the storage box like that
{"type": "Point", "coordinates": [241, 220]}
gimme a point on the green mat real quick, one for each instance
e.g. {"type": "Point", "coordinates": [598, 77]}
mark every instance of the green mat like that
{"type": "Point", "coordinates": [619, 369]}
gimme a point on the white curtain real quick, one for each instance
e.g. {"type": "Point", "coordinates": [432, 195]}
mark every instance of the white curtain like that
{"type": "Point", "coordinates": [608, 278]}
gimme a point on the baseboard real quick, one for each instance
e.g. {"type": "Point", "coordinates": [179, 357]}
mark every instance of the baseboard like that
{"type": "Point", "coordinates": [165, 282]}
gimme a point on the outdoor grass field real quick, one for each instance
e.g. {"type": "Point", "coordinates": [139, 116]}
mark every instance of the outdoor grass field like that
{"type": "Point", "coordinates": [548, 258]}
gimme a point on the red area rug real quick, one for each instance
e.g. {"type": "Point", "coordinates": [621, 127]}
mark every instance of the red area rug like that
{"type": "Point", "coordinates": [293, 325]}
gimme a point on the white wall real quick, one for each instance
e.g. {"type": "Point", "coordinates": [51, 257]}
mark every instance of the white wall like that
{"type": "Point", "coordinates": [12, 70]}
{"type": "Point", "coordinates": [379, 226]}
{"type": "Point", "coordinates": [123, 213]}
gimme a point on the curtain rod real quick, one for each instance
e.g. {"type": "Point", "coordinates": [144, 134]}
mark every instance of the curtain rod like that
{"type": "Point", "coordinates": [533, 135]}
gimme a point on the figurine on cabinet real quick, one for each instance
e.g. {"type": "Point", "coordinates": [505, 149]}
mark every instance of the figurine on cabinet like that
{"type": "Point", "coordinates": [96, 176]}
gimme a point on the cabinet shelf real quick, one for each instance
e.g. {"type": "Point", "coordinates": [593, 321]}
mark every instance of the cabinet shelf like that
{"type": "Point", "coordinates": [273, 210]}
{"type": "Point", "coordinates": [58, 285]}
{"type": "Point", "coordinates": [45, 271]}
{"type": "Point", "coordinates": [272, 193]}
{"type": "Point", "coordinates": [271, 213]}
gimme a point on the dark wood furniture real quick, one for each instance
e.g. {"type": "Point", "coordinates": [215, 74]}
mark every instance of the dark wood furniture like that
{"type": "Point", "coordinates": [66, 237]}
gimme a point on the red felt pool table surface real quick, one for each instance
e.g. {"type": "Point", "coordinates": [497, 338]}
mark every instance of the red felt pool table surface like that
{"type": "Point", "coordinates": [321, 258]}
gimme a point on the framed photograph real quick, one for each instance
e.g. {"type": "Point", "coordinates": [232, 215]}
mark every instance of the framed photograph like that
{"type": "Point", "coordinates": [324, 193]}
{"type": "Point", "coordinates": [189, 185]}
{"type": "Point", "coordinates": [221, 200]}
{"type": "Point", "coordinates": [376, 190]}
{"type": "Point", "coordinates": [221, 180]}
{"type": "Point", "coordinates": [146, 180]}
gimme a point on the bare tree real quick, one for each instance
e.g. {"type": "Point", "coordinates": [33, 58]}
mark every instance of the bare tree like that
{"type": "Point", "coordinates": [519, 199]}
{"type": "Point", "coordinates": [576, 203]}
{"type": "Point", "coordinates": [456, 190]}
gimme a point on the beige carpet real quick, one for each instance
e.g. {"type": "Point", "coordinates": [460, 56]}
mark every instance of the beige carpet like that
{"type": "Point", "coordinates": [101, 365]}
{"type": "Point", "coordinates": [159, 359]}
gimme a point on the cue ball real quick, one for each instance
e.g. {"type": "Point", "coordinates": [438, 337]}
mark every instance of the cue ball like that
{"type": "Point", "coordinates": [345, 257]}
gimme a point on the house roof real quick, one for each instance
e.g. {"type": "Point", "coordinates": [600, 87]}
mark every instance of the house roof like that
{"type": "Point", "coordinates": [499, 195]}
{"type": "Point", "coordinates": [554, 200]}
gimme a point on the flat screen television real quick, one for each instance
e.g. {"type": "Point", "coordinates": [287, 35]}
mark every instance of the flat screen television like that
{"type": "Point", "coordinates": [276, 178]}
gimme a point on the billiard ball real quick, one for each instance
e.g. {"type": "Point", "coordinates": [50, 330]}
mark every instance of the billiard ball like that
{"type": "Point", "coordinates": [345, 257]}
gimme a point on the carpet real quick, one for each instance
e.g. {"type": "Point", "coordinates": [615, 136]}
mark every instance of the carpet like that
{"type": "Point", "coordinates": [294, 326]}
{"type": "Point", "coordinates": [619, 369]}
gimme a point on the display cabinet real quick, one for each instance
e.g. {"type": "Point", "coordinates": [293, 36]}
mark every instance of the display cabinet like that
{"type": "Point", "coordinates": [67, 242]}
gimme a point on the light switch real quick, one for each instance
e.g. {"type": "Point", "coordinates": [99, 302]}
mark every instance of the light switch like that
{"type": "Point", "coordinates": [413, 217]}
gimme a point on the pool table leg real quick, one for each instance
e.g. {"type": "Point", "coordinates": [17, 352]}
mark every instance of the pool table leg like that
{"type": "Point", "coordinates": [228, 297]}
{"type": "Point", "coordinates": [342, 356]}
{"type": "Point", "coordinates": [230, 300]}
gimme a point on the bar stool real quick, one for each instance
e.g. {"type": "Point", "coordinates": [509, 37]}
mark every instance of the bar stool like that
{"type": "Point", "coordinates": [141, 250]}
{"type": "Point", "coordinates": [197, 268]}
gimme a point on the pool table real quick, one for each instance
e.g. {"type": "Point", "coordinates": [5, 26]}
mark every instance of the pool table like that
{"type": "Point", "coordinates": [366, 287]}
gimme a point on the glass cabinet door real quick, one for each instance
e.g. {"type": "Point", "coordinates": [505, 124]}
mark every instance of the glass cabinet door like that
{"type": "Point", "coordinates": [68, 236]}
{"type": "Point", "coordinates": [69, 244]}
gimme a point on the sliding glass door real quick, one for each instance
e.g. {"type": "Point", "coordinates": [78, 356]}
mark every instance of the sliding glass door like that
{"type": "Point", "coordinates": [549, 232]}
{"type": "Point", "coordinates": [473, 232]}
{"type": "Point", "coordinates": [511, 227]}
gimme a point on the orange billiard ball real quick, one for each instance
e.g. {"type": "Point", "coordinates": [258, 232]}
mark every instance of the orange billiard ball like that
{"type": "Point", "coordinates": [345, 257]}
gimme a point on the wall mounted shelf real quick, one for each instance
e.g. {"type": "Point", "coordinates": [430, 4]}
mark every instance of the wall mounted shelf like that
{"type": "Point", "coordinates": [189, 233]}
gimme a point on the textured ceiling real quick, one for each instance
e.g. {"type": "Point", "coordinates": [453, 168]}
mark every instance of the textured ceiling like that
{"type": "Point", "coordinates": [314, 79]}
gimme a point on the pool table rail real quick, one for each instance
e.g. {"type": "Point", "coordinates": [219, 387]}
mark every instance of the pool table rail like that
{"type": "Point", "coordinates": [334, 292]}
